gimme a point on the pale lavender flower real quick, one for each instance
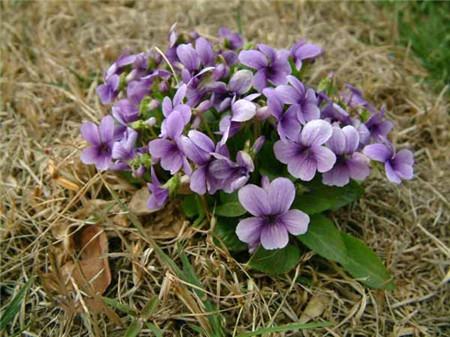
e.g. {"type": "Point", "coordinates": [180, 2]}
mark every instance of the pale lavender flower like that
{"type": "Point", "coordinates": [398, 166]}
{"type": "Point", "coordinates": [349, 163]}
{"type": "Point", "coordinates": [200, 149]}
{"type": "Point", "coordinates": [239, 84]}
{"type": "Point", "coordinates": [303, 101]}
{"type": "Point", "coordinates": [125, 111]}
{"type": "Point", "coordinates": [272, 220]}
{"type": "Point", "coordinates": [232, 175]}
{"type": "Point", "coordinates": [158, 194]}
{"type": "Point", "coordinates": [101, 139]}
{"type": "Point", "coordinates": [302, 51]}
{"type": "Point", "coordinates": [270, 65]}
{"type": "Point", "coordinates": [109, 90]}
{"type": "Point", "coordinates": [192, 58]}
{"type": "Point", "coordinates": [125, 149]}
{"type": "Point", "coordinates": [231, 40]}
{"type": "Point", "coordinates": [288, 125]}
{"type": "Point", "coordinates": [307, 155]}
{"type": "Point", "coordinates": [335, 113]}
{"type": "Point", "coordinates": [169, 150]}
{"type": "Point", "coordinates": [378, 126]}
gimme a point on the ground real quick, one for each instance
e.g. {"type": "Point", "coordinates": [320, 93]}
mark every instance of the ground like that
{"type": "Point", "coordinates": [53, 56]}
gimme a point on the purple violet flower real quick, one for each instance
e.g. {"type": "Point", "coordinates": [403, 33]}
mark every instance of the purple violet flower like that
{"type": "Point", "coordinates": [125, 111]}
{"type": "Point", "coordinates": [378, 126]}
{"type": "Point", "coordinates": [270, 65]}
{"type": "Point", "coordinates": [125, 148]}
{"type": "Point", "coordinates": [272, 220]}
{"type": "Point", "coordinates": [109, 90]}
{"type": "Point", "coordinates": [101, 139]}
{"type": "Point", "coordinates": [302, 101]}
{"type": "Point", "coordinates": [398, 166]}
{"type": "Point", "coordinates": [158, 194]}
{"type": "Point", "coordinates": [169, 149]}
{"type": "Point", "coordinates": [307, 154]}
{"type": "Point", "coordinates": [231, 40]}
{"type": "Point", "coordinates": [349, 163]}
{"type": "Point", "coordinates": [239, 84]}
{"type": "Point", "coordinates": [288, 125]}
{"type": "Point", "coordinates": [200, 149]}
{"type": "Point", "coordinates": [233, 175]}
{"type": "Point", "coordinates": [302, 51]}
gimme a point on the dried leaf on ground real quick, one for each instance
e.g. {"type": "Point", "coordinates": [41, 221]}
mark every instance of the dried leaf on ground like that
{"type": "Point", "coordinates": [88, 274]}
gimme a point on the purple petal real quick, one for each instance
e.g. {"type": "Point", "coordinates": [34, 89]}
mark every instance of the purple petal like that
{"type": "Point", "coordinates": [378, 152]}
{"type": "Point", "coordinates": [339, 175]}
{"type": "Point", "coordinates": [243, 110]}
{"type": "Point", "coordinates": [201, 140]}
{"type": "Point", "coordinates": [316, 132]}
{"type": "Point", "coordinates": [270, 53]}
{"type": "Point", "coordinates": [351, 139]}
{"type": "Point", "coordinates": [391, 174]}
{"type": "Point", "coordinates": [289, 126]}
{"type": "Point", "coordinates": [296, 84]}
{"type": "Point", "coordinates": [260, 80]}
{"type": "Point", "coordinates": [106, 129]}
{"type": "Point", "coordinates": [89, 131]}
{"type": "Point", "coordinates": [179, 95]}
{"type": "Point", "coordinates": [204, 50]}
{"type": "Point", "coordinates": [167, 106]}
{"type": "Point", "coordinates": [159, 148]}
{"type": "Point", "coordinates": [285, 152]}
{"type": "Point", "coordinates": [249, 230]}
{"type": "Point", "coordinates": [281, 194]}
{"type": "Point", "coordinates": [198, 181]}
{"type": "Point", "coordinates": [174, 125]}
{"type": "Point", "coordinates": [254, 199]}
{"type": "Point", "coordinates": [337, 140]}
{"type": "Point", "coordinates": [188, 56]}
{"type": "Point", "coordinates": [325, 158]}
{"type": "Point", "coordinates": [287, 94]}
{"type": "Point", "coordinates": [295, 221]}
{"type": "Point", "coordinates": [253, 59]}
{"type": "Point", "coordinates": [404, 157]}
{"type": "Point", "coordinates": [173, 161]}
{"type": "Point", "coordinates": [89, 155]}
{"type": "Point", "coordinates": [241, 82]}
{"type": "Point", "coordinates": [274, 236]}
{"type": "Point", "coordinates": [303, 167]}
{"type": "Point", "coordinates": [358, 166]}
{"type": "Point", "coordinates": [308, 51]}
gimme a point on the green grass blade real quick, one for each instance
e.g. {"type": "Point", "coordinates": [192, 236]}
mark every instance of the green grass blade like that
{"type": "Point", "coordinates": [14, 306]}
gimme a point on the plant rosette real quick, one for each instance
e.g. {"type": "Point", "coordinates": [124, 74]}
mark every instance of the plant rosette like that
{"type": "Point", "coordinates": [264, 152]}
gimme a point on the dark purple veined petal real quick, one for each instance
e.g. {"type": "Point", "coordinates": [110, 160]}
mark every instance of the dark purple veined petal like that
{"type": "Point", "coordinates": [281, 194]}
{"type": "Point", "coordinates": [378, 152]}
{"type": "Point", "coordinates": [295, 221]}
{"type": "Point", "coordinates": [90, 132]}
{"type": "Point", "coordinates": [254, 199]}
{"type": "Point", "coordinates": [253, 59]}
{"type": "Point", "coordinates": [274, 236]}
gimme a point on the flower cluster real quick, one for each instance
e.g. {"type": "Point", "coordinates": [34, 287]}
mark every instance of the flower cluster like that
{"type": "Point", "coordinates": [204, 108]}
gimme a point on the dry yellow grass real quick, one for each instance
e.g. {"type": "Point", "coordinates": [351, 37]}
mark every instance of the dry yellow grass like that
{"type": "Point", "coordinates": [53, 55]}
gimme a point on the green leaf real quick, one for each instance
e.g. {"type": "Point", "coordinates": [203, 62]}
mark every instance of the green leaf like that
{"type": "Point", "coordinates": [153, 328]}
{"type": "Point", "coordinates": [324, 238]}
{"type": "Point", "coordinates": [321, 198]}
{"type": "Point", "coordinates": [190, 206]}
{"type": "Point", "coordinates": [119, 306]}
{"type": "Point", "coordinates": [286, 327]}
{"type": "Point", "coordinates": [364, 265]}
{"type": "Point", "coordinates": [134, 329]}
{"type": "Point", "coordinates": [277, 261]}
{"type": "Point", "coordinates": [225, 231]}
{"type": "Point", "coordinates": [229, 205]}
{"type": "Point", "coordinates": [14, 306]}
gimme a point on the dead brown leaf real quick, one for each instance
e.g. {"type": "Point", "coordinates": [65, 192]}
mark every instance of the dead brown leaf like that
{"type": "Point", "coordinates": [82, 281]}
